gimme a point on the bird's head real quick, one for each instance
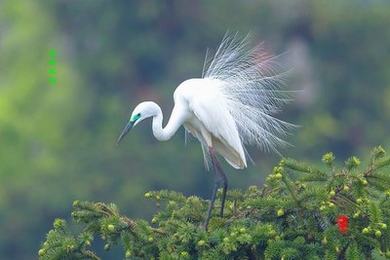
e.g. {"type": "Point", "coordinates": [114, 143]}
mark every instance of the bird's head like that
{"type": "Point", "coordinates": [142, 111]}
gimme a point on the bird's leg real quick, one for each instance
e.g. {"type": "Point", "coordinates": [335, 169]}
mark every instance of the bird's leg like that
{"type": "Point", "coordinates": [219, 180]}
{"type": "Point", "coordinates": [224, 190]}
{"type": "Point", "coordinates": [222, 180]}
{"type": "Point", "coordinates": [211, 205]}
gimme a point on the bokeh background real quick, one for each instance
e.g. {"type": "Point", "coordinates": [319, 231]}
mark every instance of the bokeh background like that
{"type": "Point", "coordinates": [57, 141]}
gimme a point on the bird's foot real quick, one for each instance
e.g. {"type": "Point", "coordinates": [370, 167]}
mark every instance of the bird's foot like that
{"type": "Point", "coordinates": [205, 224]}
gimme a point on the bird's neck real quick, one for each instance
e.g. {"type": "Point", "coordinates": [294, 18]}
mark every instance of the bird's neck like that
{"type": "Point", "coordinates": [175, 121]}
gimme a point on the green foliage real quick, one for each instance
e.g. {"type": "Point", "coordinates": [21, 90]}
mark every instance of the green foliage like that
{"type": "Point", "coordinates": [57, 141]}
{"type": "Point", "coordinates": [294, 216]}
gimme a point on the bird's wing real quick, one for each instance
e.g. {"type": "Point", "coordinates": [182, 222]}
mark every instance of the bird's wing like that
{"type": "Point", "coordinates": [253, 91]}
{"type": "Point", "coordinates": [210, 108]}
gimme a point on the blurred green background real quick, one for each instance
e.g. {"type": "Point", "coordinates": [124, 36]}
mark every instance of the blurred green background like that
{"type": "Point", "coordinates": [57, 141]}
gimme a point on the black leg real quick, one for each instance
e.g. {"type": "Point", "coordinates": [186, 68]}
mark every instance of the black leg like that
{"type": "Point", "coordinates": [219, 180]}
{"type": "Point", "coordinates": [222, 180]}
{"type": "Point", "coordinates": [225, 185]}
{"type": "Point", "coordinates": [211, 205]}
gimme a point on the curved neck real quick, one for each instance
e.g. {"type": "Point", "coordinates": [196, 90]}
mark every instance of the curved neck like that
{"type": "Point", "coordinates": [175, 121]}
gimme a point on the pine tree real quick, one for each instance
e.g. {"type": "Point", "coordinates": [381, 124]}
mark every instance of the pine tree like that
{"type": "Point", "coordinates": [302, 212]}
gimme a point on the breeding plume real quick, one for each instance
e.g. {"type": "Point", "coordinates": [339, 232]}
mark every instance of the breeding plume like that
{"type": "Point", "coordinates": [229, 107]}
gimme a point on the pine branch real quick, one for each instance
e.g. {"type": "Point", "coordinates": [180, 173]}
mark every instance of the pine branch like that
{"type": "Point", "coordinates": [298, 214]}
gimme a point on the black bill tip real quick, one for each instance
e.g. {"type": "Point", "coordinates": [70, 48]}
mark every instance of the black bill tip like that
{"type": "Point", "coordinates": [125, 131]}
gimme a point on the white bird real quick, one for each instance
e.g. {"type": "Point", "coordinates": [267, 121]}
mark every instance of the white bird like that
{"type": "Point", "coordinates": [229, 107]}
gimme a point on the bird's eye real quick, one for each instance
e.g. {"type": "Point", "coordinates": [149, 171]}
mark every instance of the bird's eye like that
{"type": "Point", "coordinates": [135, 117]}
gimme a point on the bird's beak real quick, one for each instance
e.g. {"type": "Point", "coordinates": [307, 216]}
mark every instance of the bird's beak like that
{"type": "Point", "coordinates": [125, 130]}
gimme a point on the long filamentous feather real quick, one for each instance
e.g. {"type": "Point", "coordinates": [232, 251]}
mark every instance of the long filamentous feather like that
{"type": "Point", "coordinates": [253, 89]}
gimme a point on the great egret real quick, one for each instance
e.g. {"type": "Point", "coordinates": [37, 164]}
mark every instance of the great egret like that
{"type": "Point", "coordinates": [230, 106]}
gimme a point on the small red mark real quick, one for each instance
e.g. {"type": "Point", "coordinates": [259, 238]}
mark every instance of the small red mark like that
{"type": "Point", "coordinates": [342, 223]}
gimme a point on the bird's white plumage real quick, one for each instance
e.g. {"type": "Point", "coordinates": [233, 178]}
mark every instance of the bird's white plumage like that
{"type": "Point", "coordinates": [235, 101]}
{"type": "Point", "coordinates": [209, 119]}
{"type": "Point", "coordinates": [231, 106]}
